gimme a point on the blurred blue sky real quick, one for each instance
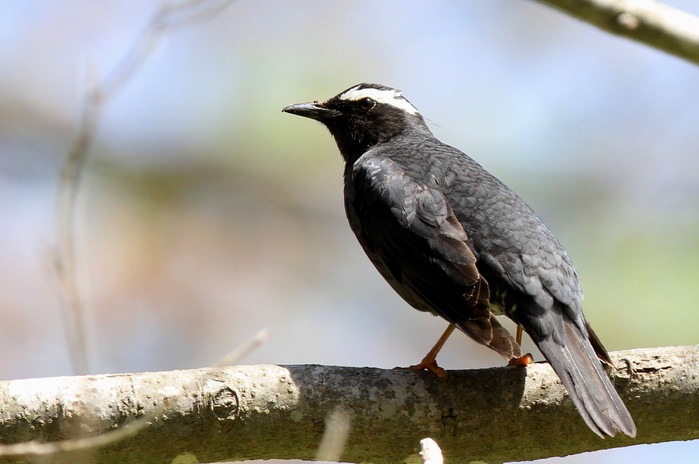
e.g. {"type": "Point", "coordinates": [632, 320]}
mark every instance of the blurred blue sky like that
{"type": "Point", "coordinates": [207, 214]}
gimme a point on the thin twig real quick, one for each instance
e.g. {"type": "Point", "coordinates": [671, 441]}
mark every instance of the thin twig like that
{"type": "Point", "coordinates": [168, 17]}
{"type": "Point", "coordinates": [98, 94]}
{"type": "Point", "coordinates": [37, 448]}
{"type": "Point", "coordinates": [243, 350]}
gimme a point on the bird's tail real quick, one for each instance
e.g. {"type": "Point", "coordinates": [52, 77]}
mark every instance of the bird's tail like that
{"type": "Point", "coordinates": [575, 360]}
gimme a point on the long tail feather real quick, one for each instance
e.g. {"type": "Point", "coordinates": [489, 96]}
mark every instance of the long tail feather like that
{"type": "Point", "coordinates": [575, 361]}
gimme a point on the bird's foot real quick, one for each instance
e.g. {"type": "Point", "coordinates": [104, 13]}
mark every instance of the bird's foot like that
{"type": "Point", "coordinates": [521, 361]}
{"type": "Point", "coordinates": [427, 364]}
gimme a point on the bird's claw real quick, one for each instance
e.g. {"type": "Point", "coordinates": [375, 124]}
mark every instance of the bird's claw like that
{"type": "Point", "coordinates": [521, 361]}
{"type": "Point", "coordinates": [427, 365]}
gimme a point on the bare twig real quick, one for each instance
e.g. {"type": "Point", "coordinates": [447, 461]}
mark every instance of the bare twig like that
{"type": "Point", "coordinates": [646, 21]}
{"type": "Point", "coordinates": [243, 350]}
{"type": "Point", "coordinates": [168, 16]}
{"type": "Point", "coordinates": [40, 448]}
{"type": "Point", "coordinates": [65, 259]}
{"type": "Point", "coordinates": [99, 93]}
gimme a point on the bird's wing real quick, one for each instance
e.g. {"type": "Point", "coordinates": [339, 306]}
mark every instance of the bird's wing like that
{"type": "Point", "coordinates": [546, 293]}
{"type": "Point", "coordinates": [410, 232]}
{"type": "Point", "coordinates": [538, 268]}
{"type": "Point", "coordinates": [535, 264]}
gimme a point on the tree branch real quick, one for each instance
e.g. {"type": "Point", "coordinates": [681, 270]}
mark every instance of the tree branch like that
{"type": "Point", "coordinates": [645, 21]}
{"type": "Point", "coordinates": [265, 411]}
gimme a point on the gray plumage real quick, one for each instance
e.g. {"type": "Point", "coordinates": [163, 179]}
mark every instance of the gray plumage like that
{"type": "Point", "coordinates": [453, 240]}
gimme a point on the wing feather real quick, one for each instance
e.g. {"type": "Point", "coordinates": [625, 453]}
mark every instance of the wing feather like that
{"type": "Point", "coordinates": [410, 232]}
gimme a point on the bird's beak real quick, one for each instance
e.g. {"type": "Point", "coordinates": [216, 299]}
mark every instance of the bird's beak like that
{"type": "Point", "coordinates": [313, 110]}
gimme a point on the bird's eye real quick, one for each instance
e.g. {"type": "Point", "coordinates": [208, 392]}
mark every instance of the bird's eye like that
{"type": "Point", "coordinates": [365, 104]}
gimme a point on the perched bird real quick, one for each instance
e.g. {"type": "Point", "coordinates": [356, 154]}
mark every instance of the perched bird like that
{"type": "Point", "coordinates": [453, 240]}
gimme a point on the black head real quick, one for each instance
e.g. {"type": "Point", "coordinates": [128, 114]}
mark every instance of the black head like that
{"type": "Point", "coordinates": [363, 116]}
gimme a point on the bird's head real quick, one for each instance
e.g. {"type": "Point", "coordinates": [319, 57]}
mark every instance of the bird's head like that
{"type": "Point", "coordinates": [363, 116]}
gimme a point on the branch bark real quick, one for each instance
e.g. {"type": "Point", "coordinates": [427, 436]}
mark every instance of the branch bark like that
{"type": "Point", "coordinates": [265, 411]}
{"type": "Point", "coordinates": [645, 21]}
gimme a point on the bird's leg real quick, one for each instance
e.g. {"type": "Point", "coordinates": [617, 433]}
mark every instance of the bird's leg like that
{"type": "Point", "coordinates": [429, 362]}
{"type": "Point", "coordinates": [518, 335]}
{"type": "Point", "coordinates": [523, 360]}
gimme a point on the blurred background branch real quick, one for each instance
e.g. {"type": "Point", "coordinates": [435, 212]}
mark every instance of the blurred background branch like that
{"type": "Point", "coordinates": [281, 412]}
{"type": "Point", "coordinates": [647, 21]}
{"type": "Point", "coordinates": [101, 90]}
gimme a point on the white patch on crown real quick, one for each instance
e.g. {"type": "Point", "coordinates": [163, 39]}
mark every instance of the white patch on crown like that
{"type": "Point", "coordinates": [389, 97]}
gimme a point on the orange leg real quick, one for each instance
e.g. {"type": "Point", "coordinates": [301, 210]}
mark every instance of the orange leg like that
{"type": "Point", "coordinates": [429, 362]}
{"type": "Point", "coordinates": [527, 358]}
{"type": "Point", "coordinates": [518, 335]}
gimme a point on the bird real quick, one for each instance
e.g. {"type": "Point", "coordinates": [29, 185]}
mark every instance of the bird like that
{"type": "Point", "coordinates": [454, 241]}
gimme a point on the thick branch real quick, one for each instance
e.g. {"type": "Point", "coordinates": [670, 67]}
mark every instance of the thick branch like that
{"type": "Point", "coordinates": [262, 412]}
{"type": "Point", "coordinates": [646, 21]}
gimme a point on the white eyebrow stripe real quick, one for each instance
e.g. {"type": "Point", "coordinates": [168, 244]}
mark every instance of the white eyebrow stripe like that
{"type": "Point", "coordinates": [389, 97]}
